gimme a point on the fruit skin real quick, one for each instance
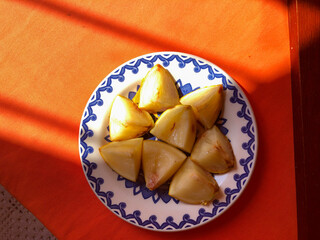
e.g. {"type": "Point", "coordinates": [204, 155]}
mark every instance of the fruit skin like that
{"type": "Point", "coordinates": [213, 151]}
{"type": "Point", "coordinates": [127, 120]}
{"type": "Point", "coordinates": [158, 91]}
{"type": "Point", "coordinates": [124, 157]}
{"type": "Point", "coordinates": [177, 126]}
{"type": "Point", "coordinates": [206, 103]}
{"type": "Point", "coordinates": [159, 162]}
{"type": "Point", "coordinates": [192, 184]}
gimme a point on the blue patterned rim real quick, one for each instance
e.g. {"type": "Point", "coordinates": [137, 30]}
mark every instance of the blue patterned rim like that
{"type": "Point", "coordinates": [169, 224]}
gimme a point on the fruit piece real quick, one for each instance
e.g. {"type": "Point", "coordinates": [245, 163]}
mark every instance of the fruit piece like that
{"type": "Point", "coordinates": [213, 151]}
{"type": "Point", "coordinates": [127, 120]}
{"type": "Point", "coordinates": [159, 162]}
{"type": "Point", "coordinates": [206, 103]}
{"type": "Point", "coordinates": [192, 184]}
{"type": "Point", "coordinates": [158, 91]}
{"type": "Point", "coordinates": [124, 157]}
{"type": "Point", "coordinates": [177, 126]}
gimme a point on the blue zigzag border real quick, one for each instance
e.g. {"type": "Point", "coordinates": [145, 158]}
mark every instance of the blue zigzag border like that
{"type": "Point", "coordinates": [85, 149]}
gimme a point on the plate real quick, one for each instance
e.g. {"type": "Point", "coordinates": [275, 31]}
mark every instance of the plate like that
{"type": "Point", "coordinates": [133, 202]}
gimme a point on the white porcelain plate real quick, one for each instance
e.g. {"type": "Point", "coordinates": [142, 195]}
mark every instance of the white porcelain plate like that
{"type": "Point", "coordinates": [133, 202]}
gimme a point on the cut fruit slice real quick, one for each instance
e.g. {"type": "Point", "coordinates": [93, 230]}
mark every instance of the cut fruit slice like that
{"type": "Point", "coordinates": [127, 120]}
{"type": "Point", "coordinates": [159, 162]}
{"type": "Point", "coordinates": [192, 184]}
{"type": "Point", "coordinates": [213, 151]}
{"type": "Point", "coordinates": [124, 157]}
{"type": "Point", "coordinates": [206, 103]}
{"type": "Point", "coordinates": [177, 126]}
{"type": "Point", "coordinates": [158, 91]}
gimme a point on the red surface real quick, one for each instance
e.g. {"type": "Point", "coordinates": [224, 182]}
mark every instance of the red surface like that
{"type": "Point", "coordinates": [52, 56]}
{"type": "Point", "coordinates": [304, 26]}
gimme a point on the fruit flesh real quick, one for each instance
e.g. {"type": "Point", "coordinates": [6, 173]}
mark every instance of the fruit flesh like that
{"type": "Point", "coordinates": [213, 151]}
{"type": "Point", "coordinates": [177, 126]}
{"type": "Point", "coordinates": [127, 120]}
{"type": "Point", "coordinates": [192, 184]}
{"type": "Point", "coordinates": [158, 91]}
{"type": "Point", "coordinates": [159, 162]}
{"type": "Point", "coordinates": [124, 157]}
{"type": "Point", "coordinates": [206, 103]}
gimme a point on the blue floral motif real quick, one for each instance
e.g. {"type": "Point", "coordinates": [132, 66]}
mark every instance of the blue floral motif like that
{"type": "Point", "coordinates": [220, 123]}
{"type": "Point", "coordinates": [184, 89]}
{"type": "Point", "coordinates": [135, 216]}
{"type": "Point", "coordinates": [139, 187]}
{"type": "Point", "coordinates": [107, 138]}
{"type": "Point", "coordinates": [131, 94]}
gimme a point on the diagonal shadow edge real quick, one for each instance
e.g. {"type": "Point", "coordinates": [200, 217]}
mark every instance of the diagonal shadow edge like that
{"type": "Point", "coordinates": [29, 112]}
{"type": "Point", "coordinates": [103, 24]}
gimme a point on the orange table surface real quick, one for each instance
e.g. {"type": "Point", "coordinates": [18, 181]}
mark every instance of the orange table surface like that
{"type": "Point", "coordinates": [54, 53]}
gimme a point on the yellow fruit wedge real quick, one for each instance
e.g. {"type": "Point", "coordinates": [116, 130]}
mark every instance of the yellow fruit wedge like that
{"type": "Point", "coordinates": [158, 91]}
{"type": "Point", "coordinates": [206, 103]}
{"type": "Point", "coordinates": [127, 120]}
{"type": "Point", "coordinates": [124, 157]}
{"type": "Point", "coordinates": [177, 126]}
{"type": "Point", "coordinates": [192, 184]}
{"type": "Point", "coordinates": [159, 162]}
{"type": "Point", "coordinates": [213, 151]}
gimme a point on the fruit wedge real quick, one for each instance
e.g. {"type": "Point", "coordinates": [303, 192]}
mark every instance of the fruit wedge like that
{"type": "Point", "coordinates": [127, 120]}
{"type": "Point", "coordinates": [206, 103]}
{"type": "Point", "coordinates": [159, 162]}
{"type": "Point", "coordinates": [158, 91]}
{"type": "Point", "coordinates": [177, 126]}
{"type": "Point", "coordinates": [213, 151]}
{"type": "Point", "coordinates": [124, 157]}
{"type": "Point", "coordinates": [192, 184]}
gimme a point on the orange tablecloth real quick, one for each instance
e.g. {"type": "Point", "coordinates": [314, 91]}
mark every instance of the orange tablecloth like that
{"type": "Point", "coordinates": [54, 53]}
